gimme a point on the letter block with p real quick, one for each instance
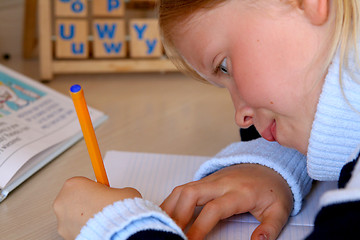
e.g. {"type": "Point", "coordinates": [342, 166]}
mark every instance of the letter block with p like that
{"type": "Point", "coordinates": [108, 8]}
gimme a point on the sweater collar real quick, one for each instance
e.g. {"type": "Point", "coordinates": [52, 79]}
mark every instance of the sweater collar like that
{"type": "Point", "coordinates": [335, 132]}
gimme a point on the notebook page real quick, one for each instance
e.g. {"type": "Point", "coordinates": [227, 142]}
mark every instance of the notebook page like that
{"type": "Point", "coordinates": [155, 175]}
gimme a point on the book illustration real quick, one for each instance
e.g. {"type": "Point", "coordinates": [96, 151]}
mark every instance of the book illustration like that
{"type": "Point", "coordinates": [15, 95]}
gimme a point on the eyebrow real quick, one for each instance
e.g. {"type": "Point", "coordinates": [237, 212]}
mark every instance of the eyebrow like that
{"type": "Point", "coordinates": [190, 65]}
{"type": "Point", "coordinates": [214, 70]}
{"type": "Point", "coordinates": [216, 84]}
{"type": "Point", "coordinates": [201, 74]}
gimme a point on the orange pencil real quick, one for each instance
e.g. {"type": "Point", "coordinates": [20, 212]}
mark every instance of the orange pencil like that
{"type": "Point", "coordinates": [82, 111]}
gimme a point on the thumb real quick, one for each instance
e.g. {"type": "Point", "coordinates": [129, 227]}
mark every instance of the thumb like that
{"type": "Point", "coordinates": [270, 227]}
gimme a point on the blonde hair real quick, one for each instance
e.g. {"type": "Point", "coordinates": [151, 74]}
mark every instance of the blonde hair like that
{"type": "Point", "coordinates": [346, 33]}
{"type": "Point", "coordinates": [171, 12]}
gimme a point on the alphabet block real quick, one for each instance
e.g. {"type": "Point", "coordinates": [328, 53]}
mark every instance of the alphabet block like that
{"type": "Point", "coordinates": [144, 38]}
{"type": "Point", "coordinates": [71, 8]}
{"type": "Point", "coordinates": [109, 38]}
{"type": "Point", "coordinates": [108, 8]}
{"type": "Point", "coordinates": [71, 39]}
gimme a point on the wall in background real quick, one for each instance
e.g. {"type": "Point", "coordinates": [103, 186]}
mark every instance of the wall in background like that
{"type": "Point", "coordinates": [11, 27]}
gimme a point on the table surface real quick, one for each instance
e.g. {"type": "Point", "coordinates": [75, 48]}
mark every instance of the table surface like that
{"type": "Point", "coordinates": [158, 113]}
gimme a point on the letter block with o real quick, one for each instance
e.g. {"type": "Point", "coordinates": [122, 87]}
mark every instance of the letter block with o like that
{"type": "Point", "coordinates": [71, 8]}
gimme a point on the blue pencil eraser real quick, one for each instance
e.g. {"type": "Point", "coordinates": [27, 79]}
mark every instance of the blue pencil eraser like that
{"type": "Point", "coordinates": [75, 88]}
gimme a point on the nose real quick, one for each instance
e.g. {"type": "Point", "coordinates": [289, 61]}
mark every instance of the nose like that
{"type": "Point", "coordinates": [244, 117]}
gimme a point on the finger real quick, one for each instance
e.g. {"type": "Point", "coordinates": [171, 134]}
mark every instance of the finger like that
{"type": "Point", "coordinates": [271, 225]}
{"type": "Point", "coordinates": [185, 206]}
{"type": "Point", "coordinates": [216, 210]}
{"type": "Point", "coordinates": [177, 195]}
{"type": "Point", "coordinates": [169, 204]}
{"type": "Point", "coordinates": [189, 196]}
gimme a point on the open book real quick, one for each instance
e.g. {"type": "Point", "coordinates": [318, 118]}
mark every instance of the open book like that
{"type": "Point", "coordinates": [36, 125]}
{"type": "Point", "coordinates": [155, 175]}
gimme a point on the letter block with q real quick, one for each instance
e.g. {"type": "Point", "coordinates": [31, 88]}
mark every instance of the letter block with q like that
{"type": "Point", "coordinates": [144, 38]}
{"type": "Point", "coordinates": [71, 39]}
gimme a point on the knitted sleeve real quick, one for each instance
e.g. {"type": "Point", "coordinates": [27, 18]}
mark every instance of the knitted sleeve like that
{"type": "Point", "coordinates": [289, 163]}
{"type": "Point", "coordinates": [130, 219]}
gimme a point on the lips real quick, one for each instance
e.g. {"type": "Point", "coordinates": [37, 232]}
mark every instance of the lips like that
{"type": "Point", "coordinates": [270, 132]}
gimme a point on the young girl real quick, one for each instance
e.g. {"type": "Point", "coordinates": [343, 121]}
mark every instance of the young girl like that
{"type": "Point", "coordinates": [291, 69]}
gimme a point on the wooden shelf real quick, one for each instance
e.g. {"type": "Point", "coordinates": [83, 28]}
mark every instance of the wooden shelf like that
{"type": "Point", "coordinates": [141, 4]}
{"type": "Point", "coordinates": [50, 65]}
{"type": "Point", "coordinates": [114, 66]}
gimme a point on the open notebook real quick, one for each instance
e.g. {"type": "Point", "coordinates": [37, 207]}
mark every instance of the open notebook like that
{"type": "Point", "coordinates": [155, 175]}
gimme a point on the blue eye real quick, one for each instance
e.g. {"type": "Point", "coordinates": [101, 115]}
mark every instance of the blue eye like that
{"type": "Point", "coordinates": [223, 66]}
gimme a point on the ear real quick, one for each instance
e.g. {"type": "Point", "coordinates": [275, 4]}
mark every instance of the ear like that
{"type": "Point", "coordinates": [316, 11]}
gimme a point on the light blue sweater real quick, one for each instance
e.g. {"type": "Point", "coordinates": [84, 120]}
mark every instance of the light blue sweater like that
{"type": "Point", "coordinates": [335, 136]}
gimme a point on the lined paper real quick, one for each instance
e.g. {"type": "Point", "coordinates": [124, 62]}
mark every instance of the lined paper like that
{"type": "Point", "coordinates": [155, 175]}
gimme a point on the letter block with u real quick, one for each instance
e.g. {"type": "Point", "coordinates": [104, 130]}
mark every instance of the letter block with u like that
{"type": "Point", "coordinates": [71, 39]}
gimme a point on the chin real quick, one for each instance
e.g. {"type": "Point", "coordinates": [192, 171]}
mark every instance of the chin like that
{"type": "Point", "coordinates": [298, 147]}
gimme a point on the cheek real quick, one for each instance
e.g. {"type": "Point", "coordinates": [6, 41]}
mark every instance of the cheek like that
{"type": "Point", "coordinates": [259, 69]}
{"type": "Point", "coordinates": [262, 84]}
{"type": "Point", "coordinates": [253, 91]}
{"type": "Point", "coordinates": [251, 77]}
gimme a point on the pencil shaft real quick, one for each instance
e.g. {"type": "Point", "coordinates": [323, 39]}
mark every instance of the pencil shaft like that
{"type": "Point", "coordinates": [89, 136]}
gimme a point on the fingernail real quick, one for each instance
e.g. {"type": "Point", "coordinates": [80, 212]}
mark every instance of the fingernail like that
{"type": "Point", "coordinates": [263, 237]}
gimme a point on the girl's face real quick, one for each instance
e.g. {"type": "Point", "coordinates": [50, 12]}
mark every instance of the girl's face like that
{"type": "Point", "coordinates": [269, 57]}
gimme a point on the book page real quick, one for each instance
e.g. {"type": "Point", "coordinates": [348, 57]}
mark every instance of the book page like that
{"type": "Point", "coordinates": [155, 175]}
{"type": "Point", "coordinates": [33, 118]}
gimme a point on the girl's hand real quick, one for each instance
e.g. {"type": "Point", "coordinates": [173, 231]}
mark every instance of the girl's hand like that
{"type": "Point", "coordinates": [233, 190]}
{"type": "Point", "coordinates": [81, 198]}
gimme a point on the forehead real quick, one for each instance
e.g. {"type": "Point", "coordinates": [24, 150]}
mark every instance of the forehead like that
{"type": "Point", "coordinates": [202, 33]}
{"type": "Point", "coordinates": [225, 10]}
